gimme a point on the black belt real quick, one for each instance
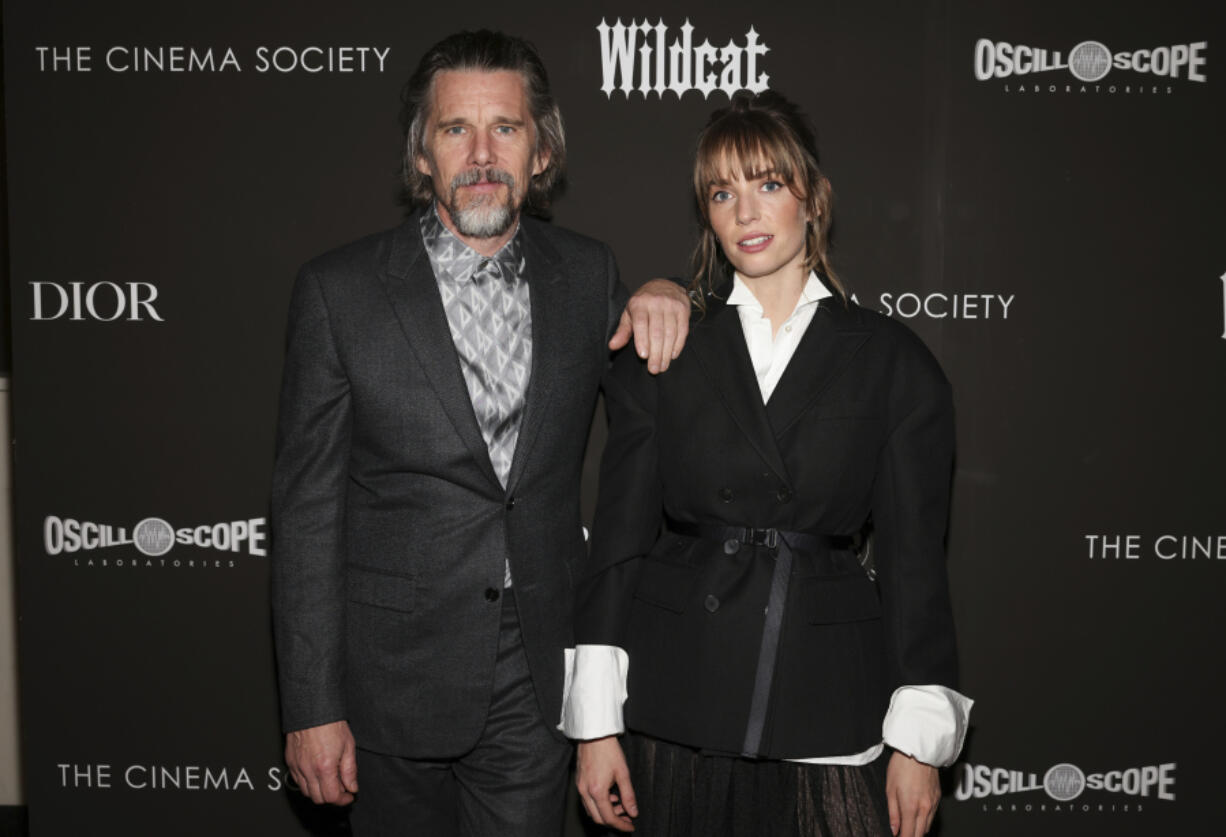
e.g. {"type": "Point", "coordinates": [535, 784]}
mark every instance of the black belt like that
{"type": "Point", "coordinates": [734, 537]}
{"type": "Point", "coordinates": [749, 536]}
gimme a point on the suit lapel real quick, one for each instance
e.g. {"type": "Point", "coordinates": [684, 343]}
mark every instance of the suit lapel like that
{"type": "Point", "coordinates": [414, 296]}
{"type": "Point", "coordinates": [719, 344]}
{"type": "Point", "coordinates": [546, 294]}
{"type": "Point", "coordinates": [828, 345]}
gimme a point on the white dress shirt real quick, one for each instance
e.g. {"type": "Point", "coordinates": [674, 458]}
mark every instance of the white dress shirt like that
{"type": "Point", "coordinates": [928, 722]}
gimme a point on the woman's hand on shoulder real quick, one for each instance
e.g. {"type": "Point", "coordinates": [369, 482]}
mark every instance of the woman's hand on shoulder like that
{"type": "Point", "coordinates": [912, 790]}
{"type": "Point", "coordinates": [604, 785]}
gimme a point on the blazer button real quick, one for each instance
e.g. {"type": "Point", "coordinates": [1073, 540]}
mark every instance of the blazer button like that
{"type": "Point", "coordinates": [725, 494]}
{"type": "Point", "coordinates": [711, 604]}
{"type": "Point", "coordinates": [732, 546]}
{"type": "Point", "coordinates": [784, 494]}
{"type": "Point", "coordinates": [510, 503]}
{"type": "Point", "coordinates": [491, 595]}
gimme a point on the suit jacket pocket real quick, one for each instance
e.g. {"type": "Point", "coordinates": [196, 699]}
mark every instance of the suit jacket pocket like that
{"type": "Point", "coordinates": [842, 598]}
{"type": "Point", "coordinates": [379, 588]}
{"type": "Point", "coordinates": [665, 585]}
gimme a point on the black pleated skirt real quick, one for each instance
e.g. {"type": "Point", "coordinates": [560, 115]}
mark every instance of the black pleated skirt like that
{"type": "Point", "coordinates": [683, 793]}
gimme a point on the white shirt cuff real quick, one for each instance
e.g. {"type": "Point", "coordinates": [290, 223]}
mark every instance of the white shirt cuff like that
{"type": "Point", "coordinates": [594, 691]}
{"type": "Point", "coordinates": [865, 757]}
{"type": "Point", "coordinates": [928, 723]}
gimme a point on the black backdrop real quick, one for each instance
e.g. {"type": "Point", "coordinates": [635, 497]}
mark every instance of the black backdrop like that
{"type": "Point", "coordinates": [1053, 231]}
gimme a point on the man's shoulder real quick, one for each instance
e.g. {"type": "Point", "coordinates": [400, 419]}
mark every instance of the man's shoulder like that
{"type": "Point", "coordinates": [364, 256]}
{"type": "Point", "coordinates": [566, 242]}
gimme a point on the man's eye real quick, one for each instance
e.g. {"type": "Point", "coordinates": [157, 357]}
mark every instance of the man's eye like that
{"type": "Point", "coordinates": [454, 130]}
{"type": "Point", "coordinates": [505, 129]}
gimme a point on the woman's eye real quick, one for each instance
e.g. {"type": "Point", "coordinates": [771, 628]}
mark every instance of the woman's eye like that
{"type": "Point", "coordinates": [720, 196]}
{"type": "Point", "coordinates": [772, 186]}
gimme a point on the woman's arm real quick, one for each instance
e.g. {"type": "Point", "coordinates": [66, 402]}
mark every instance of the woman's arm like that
{"type": "Point", "coordinates": [628, 515]}
{"type": "Point", "coordinates": [927, 719]}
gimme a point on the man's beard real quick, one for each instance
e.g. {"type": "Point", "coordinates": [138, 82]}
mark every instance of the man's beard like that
{"type": "Point", "coordinates": [486, 216]}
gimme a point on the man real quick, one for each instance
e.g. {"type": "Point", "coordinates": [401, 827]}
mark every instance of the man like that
{"type": "Point", "coordinates": [439, 383]}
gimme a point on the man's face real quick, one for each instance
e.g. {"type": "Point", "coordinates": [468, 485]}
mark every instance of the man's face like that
{"type": "Point", "coordinates": [480, 152]}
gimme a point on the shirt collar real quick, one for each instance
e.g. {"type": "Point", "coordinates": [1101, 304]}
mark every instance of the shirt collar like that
{"type": "Point", "coordinates": [814, 291]}
{"type": "Point", "coordinates": [456, 260]}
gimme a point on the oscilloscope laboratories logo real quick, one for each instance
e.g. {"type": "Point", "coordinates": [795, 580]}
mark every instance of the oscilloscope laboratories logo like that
{"type": "Point", "coordinates": [1066, 789]}
{"type": "Point", "coordinates": [150, 542]}
{"type": "Point", "coordinates": [1026, 68]}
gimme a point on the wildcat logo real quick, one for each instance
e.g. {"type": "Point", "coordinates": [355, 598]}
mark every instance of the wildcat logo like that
{"type": "Point", "coordinates": [640, 51]}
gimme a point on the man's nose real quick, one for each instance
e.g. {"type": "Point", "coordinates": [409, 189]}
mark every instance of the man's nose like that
{"type": "Point", "coordinates": [481, 153]}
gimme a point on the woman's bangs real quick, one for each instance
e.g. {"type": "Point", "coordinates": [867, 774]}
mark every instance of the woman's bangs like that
{"type": "Point", "coordinates": [740, 149]}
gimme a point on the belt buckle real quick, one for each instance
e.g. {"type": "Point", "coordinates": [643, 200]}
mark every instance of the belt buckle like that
{"type": "Point", "coordinates": [763, 537]}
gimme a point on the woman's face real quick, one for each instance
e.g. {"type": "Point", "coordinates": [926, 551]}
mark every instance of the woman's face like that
{"type": "Point", "coordinates": [760, 224]}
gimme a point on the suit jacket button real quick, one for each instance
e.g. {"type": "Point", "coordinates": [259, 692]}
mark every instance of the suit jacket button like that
{"type": "Point", "coordinates": [711, 604]}
{"type": "Point", "coordinates": [510, 503]}
{"type": "Point", "coordinates": [491, 594]}
{"type": "Point", "coordinates": [784, 494]}
{"type": "Point", "coordinates": [725, 494]}
{"type": "Point", "coordinates": [731, 546]}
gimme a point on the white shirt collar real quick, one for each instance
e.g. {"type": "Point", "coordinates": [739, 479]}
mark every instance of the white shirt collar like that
{"type": "Point", "coordinates": [813, 291]}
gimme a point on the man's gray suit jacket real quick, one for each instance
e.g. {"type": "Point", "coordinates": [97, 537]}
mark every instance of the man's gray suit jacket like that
{"type": "Point", "coordinates": [390, 528]}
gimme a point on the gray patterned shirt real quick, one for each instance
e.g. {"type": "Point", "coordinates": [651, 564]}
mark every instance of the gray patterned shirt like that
{"type": "Point", "coordinates": [488, 312]}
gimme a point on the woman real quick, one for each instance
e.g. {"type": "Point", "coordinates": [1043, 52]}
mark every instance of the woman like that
{"type": "Point", "coordinates": [768, 670]}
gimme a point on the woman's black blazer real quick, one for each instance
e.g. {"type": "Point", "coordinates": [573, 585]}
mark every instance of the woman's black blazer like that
{"type": "Point", "coordinates": [859, 428]}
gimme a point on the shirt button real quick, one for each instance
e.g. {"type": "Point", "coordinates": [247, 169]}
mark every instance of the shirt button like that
{"type": "Point", "coordinates": [711, 604]}
{"type": "Point", "coordinates": [491, 594]}
{"type": "Point", "coordinates": [725, 494]}
{"type": "Point", "coordinates": [784, 494]}
{"type": "Point", "coordinates": [731, 546]}
{"type": "Point", "coordinates": [788, 329]}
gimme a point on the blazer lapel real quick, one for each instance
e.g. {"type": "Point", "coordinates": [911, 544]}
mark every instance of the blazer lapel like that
{"type": "Point", "coordinates": [828, 345]}
{"type": "Point", "coordinates": [546, 294]}
{"type": "Point", "coordinates": [414, 296]}
{"type": "Point", "coordinates": [719, 344]}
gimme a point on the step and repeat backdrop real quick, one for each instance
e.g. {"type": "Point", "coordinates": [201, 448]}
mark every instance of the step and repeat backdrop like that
{"type": "Point", "coordinates": [1034, 188]}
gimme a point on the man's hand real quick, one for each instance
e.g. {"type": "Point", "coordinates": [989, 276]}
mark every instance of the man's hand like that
{"type": "Point", "coordinates": [323, 761]}
{"type": "Point", "coordinates": [912, 790]}
{"type": "Point", "coordinates": [659, 316]}
{"type": "Point", "coordinates": [601, 775]}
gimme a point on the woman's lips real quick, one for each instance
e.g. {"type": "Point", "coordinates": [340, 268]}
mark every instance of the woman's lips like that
{"type": "Point", "coordinates": [755, 243]}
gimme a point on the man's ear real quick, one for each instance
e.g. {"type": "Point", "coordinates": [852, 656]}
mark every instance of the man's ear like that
{"type": "Point", "coordinates": [542, 161]}
{"type": "Point", "coordinates": [423, 165]}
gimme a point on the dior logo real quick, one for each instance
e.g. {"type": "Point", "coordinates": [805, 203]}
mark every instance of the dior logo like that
{"type": "Point", "coordinates": [101, 301]}
{"type": "Point", "coordinates": [641, 52]}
